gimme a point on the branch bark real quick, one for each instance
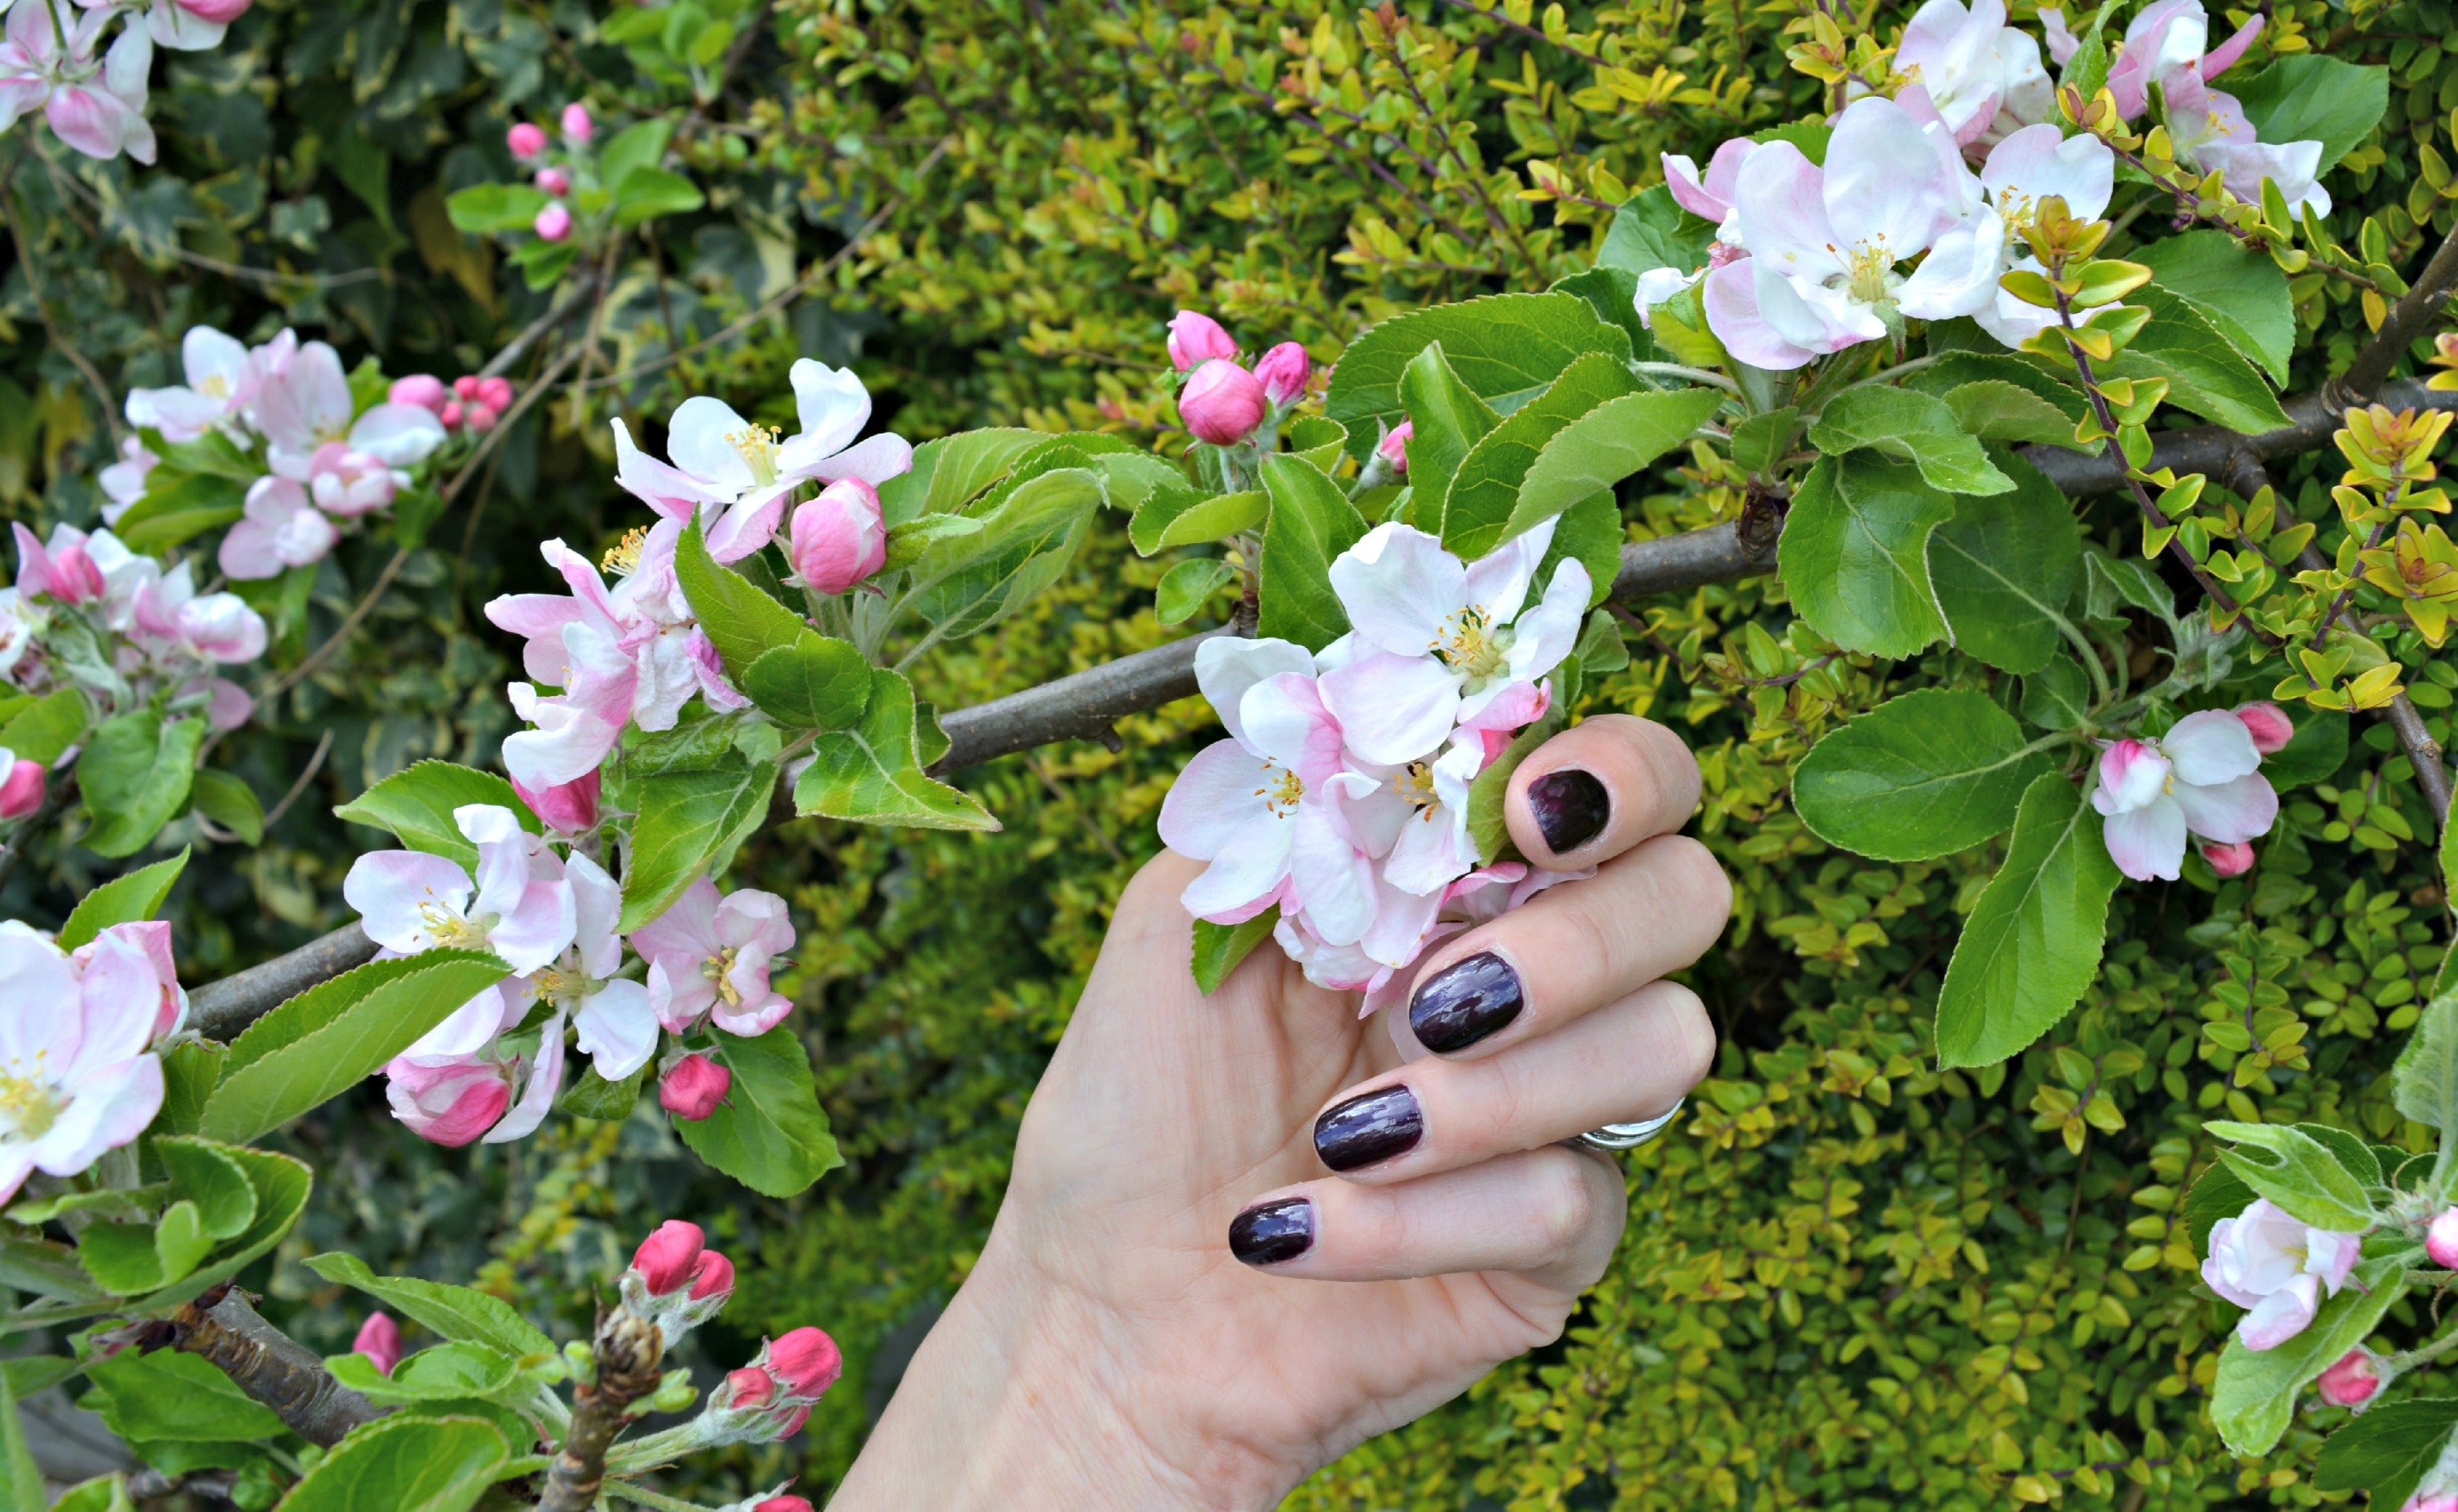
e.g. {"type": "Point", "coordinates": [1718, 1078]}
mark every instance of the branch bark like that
{"type": "Point", "coordinates": [627, 1350]}
{"type": "Point", "coordinates": [2409, 318]}
{"type": "Point", "coordinates": [219, 1010]}
{"type": "Point", "coordinates": [272, 1367]}
{"type": "Point", "coordinates": [2219, 451]}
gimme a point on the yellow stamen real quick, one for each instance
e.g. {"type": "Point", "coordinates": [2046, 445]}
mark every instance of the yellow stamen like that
{"type": "Point", "coordinates": [1466, 643]}
{"type": "Point", "coordinates": [28, 1105]}
{"type": "Point", "coordinates": [1416, 785]}
{"type": "Point", "coordinates": [1281, 794]}
{"type": "Point", "coordinates": [718, 968]}
{"type": "Point", "coordinates": [756, 446]}
{"type": "Point", "coordinates": [623, 557]}
{"type": "Point", "coordinates": [450, 929]}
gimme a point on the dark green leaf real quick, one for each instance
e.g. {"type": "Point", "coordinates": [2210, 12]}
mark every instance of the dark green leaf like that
{"type": "Point", "coordinates": [1311, 523]}
{"type": "Point", "coordinates": [769, 1133]}
{"type": "Point", "coordinates": [416, 804]}
{"type": "Point", "coordinates": [2057, 696]}
{"type": "Point", "coordinates": [404, 1463]}
{"type": "Point", "coordinates": [166, 1395]}
{"type": "Point", "coordinates": [2301, 1176]}
{"type": "Point", "coordinates": [817, 682]}
{"type": "Point", "coordinates": [1910, 426]}
{"type": "Point", "coordinates": [1932, 772]}
{"type": "Point", "coordinates": [1481, 509]}
{"type": "Point", "coordinates": [1995, 409]}
{"type": "Point", "coordinates": [2388, 1450]}
{"type": "Point", "coordinates": [2255, 1394]}
{"type": "Point", "coordinates": [687, 822]}
{"type": "Point", "coordinates": [966, 583]}
{"type": "Point", "coordinates": [2219, 1193]}
{"type": "Point", "coordinates": [2204, 373]}
{"type": "Point", "coordinates": [1606, 445]}
{"type": "Point", "coordinates": [1505, 348]}
{"type": "Point", "coordinates": [1220, 947]}
{"type": "Point", "coordinates": [593, 1096]}
{"type": "Point", "coordinates": [2003, 566]}
{"type": "Point", "coordinates": [949, 472]}
{"type": "Point", "coordinates": [134, 774]}
{"type": "Point", "coordinates": [454, 1312]}
{"type": "Point", "coordinates": [229, 802]}
{"type": "Point", "coordinates": [121, 901]}
{"type": "Point", "coordinates": [2306, 96]}
{"type": "Point", "coordinates": [2241, 291]}
{"type": "Point", "coordinates": [1854, 554]}
{"type": "Point", "coordinates": [2319, 749]}
{"type": "Point", "coordinates": [873, 773]}
{"type": "Point", "coordinates": [741, 621]}
{"type": "Point", "coordinates": [2033, 944]}
{"type": "Point", "coordinates": [1449, 420]}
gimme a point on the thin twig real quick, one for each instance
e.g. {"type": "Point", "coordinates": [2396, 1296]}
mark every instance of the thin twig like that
{"type": "Point", "coordinates": [50, 327]}
{"type": "Point", "coordinates": [2410, 318]}
{"type": "Point", "coordinates": [627, 1350]}
{"type": "Point", "coordinates": [315, 764]}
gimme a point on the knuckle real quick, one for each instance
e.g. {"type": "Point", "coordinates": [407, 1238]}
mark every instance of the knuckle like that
{"type": "Point", "coordinates": [1562, 1203]}
{"type": "Point", "coordinates": [1701, 889]}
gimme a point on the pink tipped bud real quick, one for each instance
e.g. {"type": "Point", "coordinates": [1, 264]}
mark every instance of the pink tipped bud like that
{"type": "Point", "coordinates": [554, 181]}
{"type": "Point", "coordinates": [694, 1087]}
{"type": "Point", "coordinates": [667, 1258]}
{"type": "Point", "coordinates": [425, 390]}
{"type": "Point", "coordinates": [379, 1341]}
{"type": "Point", "coordinates": [74, 577]}
{"type": "Point", "coordinates": [749, 1388]}
{"type": "Point", "coordinates": [452, 414]}
{"type": "Point", "coordinates": [466, 386]}
{"type": "Point", "coordinates": [1393, 448]}
{"type": "Point", "coordinates": [2353, 1381]}
{"type": "Point", "coordinates": [2268, 725]}
{"type": "Point", "coordinates": [21, 792]}
{"type": "Point", "coordinates": [479, 418]}
{"type": "Point", "coordinates": [807, 1361]}
{"type": "Point", "coordinates": [495, 393]}
{"type": "Point", "coordinates": [783, 1503]}
{"type": "Point", "coordinates": [220, 12]}
{"type": "Point", "coordinates": [576, 123]}
{"type": "Point", "coordinates": [553, 223]}
{"type": "Point", "coordinates": [1221, 404]}
{"type": "Point", "coordinates": [449, 1102]}
{"type": "Point", "coordinates": [571, 808]}
{"type": "Point", "coordinates": [839, 538]}
{"type": "Point", "coordinates": [712, 1277]}
{"type": "Point", "coordinates": [525, 141]}
{"type": "Point", "coordinates": [1283, 372]}
{"type": "Point", "coordinates": [2228, 858]}
{"type": "Point", "coordinates": [2441, 1240]}
{"type": "Point", "coordinates": [1194, 339]}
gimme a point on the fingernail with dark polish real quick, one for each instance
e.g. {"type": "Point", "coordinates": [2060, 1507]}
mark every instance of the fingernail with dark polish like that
{"type": "Point", "coordinates": [1463, 1003]}
{"type": "Point", "coordinates": [1570, 808]}
{"type": "Point", "coordinates": [1269, 1232]}
{"type": "Point", "coordinates": [1372, 1127]}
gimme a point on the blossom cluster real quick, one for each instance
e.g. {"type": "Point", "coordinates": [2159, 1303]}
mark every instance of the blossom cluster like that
{"type": "Point", "coordinates": [2200, 778]}
{"type": "Point", "coordinates": [93, 99]}
{"type": "Point", "coordinates": [1340, 796]}
{"type": "Point", "coordinates": [326, 462]}
{"type": "Point", "coordinates": [545, 906]}
{"type": "Point", "coordinates": [79, 1074]}
{"type": "Point", "coordinates": [1809, 259]}
{"type": "Point", "coordinates": [530, 144]}
{"type": "Point", "coordinates": [1221, 401]}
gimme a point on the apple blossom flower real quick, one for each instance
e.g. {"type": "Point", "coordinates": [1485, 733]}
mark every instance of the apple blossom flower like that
{"type": "Point", "coordinates": [1708, 195]}
{"type": "Point", "coordinates": [1439, 644]}
{"type": "Point", "coordinates": [576, 125]}
{"type": "Point", "coordinates": [448, 1100]}
{"type": "Point", "coordinates": [133, 960]}
{"type": "Point", "coordinates": [693, 1087]}
{"type": "Point", "coordinates": [341, 479]}
{"type": "Point", "coordinates": [1282, 371]}
{"type": "Point", "coordinates": [65, 569]}
{"type": "Point", "coordinates": [281, 528]}
{"type": "Point", "coordinates": [2023, 170]}
{"type": "Point", "coordinates": [2209, 131]}
{"type": "Point", "coordinates": [554, 181]}
{"type": "Point", "coordinates": [1416, 823]}
{"type": "Point", "coordinates": [123, 482]}
{"type": "Point", "coordinates": [725, 462]}
{"type": "Point", "coordinates": [1222, 403]}
{"type": "Point", "coordinates": [2354, 1380]}
{"type": "Point", "coordinates": [75, 1076]}
{"type": "Point", "coordinates": [839, 538]}
{"type": "Point", "coordinates": [221, 381]}
{"type": "Point", "coordinates": [2268, 724]}
{"type": "Point", "coordinates": [2199, 777]}
{"type": "Point", "coordinates": [192, 25]}
{"type": "Point", "coordinates": [21, 620]}
{"type": "Point", "coordinates": [379, 1339]}
{"type": "Point", "coordinates": [525, 140]}
{"type": "Point", "coordinates": [2227, 859]}
{"type": "Point", "coordinates": [568, 808]}
{"type": "Point", "coordinates": [1194, 339]}
{"type": "Point", "coordinates": [170, 618]}
{"type": "Point", "coordinates": [1824, 241]}
{"type": "Point", "coordinates": [708, 957]}
{"type": "Point", "coordinates": [307, 404]}
{"type": "Point", "coordinates": [2440, 1239]}
{"type": "Point", "coordinates": [2277, 1267]}
{"type": "Point", "coordinates": [2057, 36]}
{"type": "Point", "coordinates": [553, 223]}
{"type": "Point", "coordinates": [21, 791]}
{"type": "Point", "coordinates": [97, 108]}
{"type": "Point", "coordinates": [1983, 76]}
{"type": "Point", "coordinates": [521, 907]}
{"type": "Point", "coordinates": [2163, 38]}
{"type": "Point", "coordinates": [614, 1025]}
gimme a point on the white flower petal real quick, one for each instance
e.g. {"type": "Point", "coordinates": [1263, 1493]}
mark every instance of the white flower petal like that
{"type": "Point", "coordinates": [1398, 585]}
{"type": "Point", "coordinates": [1393, 709]}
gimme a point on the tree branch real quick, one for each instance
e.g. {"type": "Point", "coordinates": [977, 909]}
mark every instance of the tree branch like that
{"type": "Point", "coordinates": [218, 1010]}
{"type": "Point", "coordinates": [627, 1350]}
{"type": "Point", "coordinates": [2410, 318]}
{"type": "Point", "coordinates": [2217, 451]}
{"type": "Point", "coordinates": [270, 1366]}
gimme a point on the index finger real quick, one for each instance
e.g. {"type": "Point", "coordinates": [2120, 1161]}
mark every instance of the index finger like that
{"type": "Point", "coordinates": [1599, 788]}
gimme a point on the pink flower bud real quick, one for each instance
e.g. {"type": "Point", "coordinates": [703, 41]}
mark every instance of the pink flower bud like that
{"type": "Point", "coordinates": [667, 1258]}
{"type": "Point", "coordinates": [2353, 1381]}
{"type": "Point", "coordinates": [2268, 724]}
{"type": "Point", "coordinates": [2228, 858]}
{"type": "Point", "coordinates": [222, 13]}
{"type": "Point", "coordinates": [554, 181]}
{"type": "Point", "coordinates": [495, 393]}
{"type": "Point", "coordinates": [74, 578]}
{"type": "Point", "coordinates": [449, 1102]}
{"type": "Point", "coordinates": [749, 1388]}
{"type": "Point", "coordinates": [569, 807]}
{"type": "Point", "coordinates": [694, 1088]}
{"type": "Point", "coordinates": [783, 1503]}
{"type": "Point", "coordinates": [2441, 1240]}
{"type": "Point", "coordinates": [839, 538]}
{"type": "Point", "coordinates": [452, 414]}
{"type": "Point", "coordinates": [1221, 404]}
{"type": "Point", "coordinates": [712, 1277]}
{"type": "Point", "coordinates": [805, 1362]}
{"type": "Point", "coordinates": [1393, 448]}
{"type": "Point", "coordinates": [553, 223]}
{"type": "Point", "coordinates": [21, 792]}
{"type": "Point", "coordinates": [525, 141]}
{"type": "Point", "coordinates": [479, 418]}
{"type": "Point", "coordinates": [2431, 1502]}
{"type": "Point", "coordinates": [1283, 372]}
{"type": "Point", "coordinates": [576, 123]}
{"type": "Point", "coordinates": [425, 390]}
{"type": "Point", "coordinates": [466, 386]}
{"type": "Point", "coordinates": [1194, 339]}
{"type": "Point", "coordinates": [379, 1341]}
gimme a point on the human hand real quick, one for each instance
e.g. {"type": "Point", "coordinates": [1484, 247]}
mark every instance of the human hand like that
{"type": "Point", "coordinates": [1179, 1305]}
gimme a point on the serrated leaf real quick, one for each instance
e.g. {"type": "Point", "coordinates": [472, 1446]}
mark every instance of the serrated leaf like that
{"type": "Point", "coordinates": [2033, 941]}
{"type": "Point", "coordinates": [2388, 1450]}
{"type": "Point", "coordinates": [416, 806]}
{"type": "Point", "coordinates": [947, 474]}
{"type": "Point", "coordinates": [2241, 292]}
{"type": "Point", "coordinates": [769, 1133]}
{"type": "Point", "coordinates": [1504, 347]}
{"type": "Point", "coordinates": [1994, 409]}
{"type": "Point", "coordinates": [2255, 1394]}
{"type": "Point", "coordinates": [1910, 426]}
{"type": "Point", "coordinates": [1480, 509]}
{"type": "Point", "coordinates": [443, 1372]}
{"type": "Point", "coordinates": [168, 1397]}
{"type": "Point", "coordinates": [2300, 1174]}
{"type": "Point", "coordinates": [44, 730]}
{"type": "Point", "coordinates": [2203, 371]}
{"type": "Point", "coordinates": [874, 773]}
{"type": "Point", "coordinates": [2309, 96]}
{"type": "Point", "coordinates": [2057, 696]}
{"type": "Point", "coordinates": [454, 1312]}
{"type": "Point", "coordinates": [1449, 420]}
{"type": "Point", "coordinates": [134, 774]}
{"type": "Point", "coordinates": [1854, 554]}
{"type": "Point", "coordinates": [1935, 772]}
{"type": "Point", "coordinates": [1218, 948]}
{"type": "Point", "coordinates": [817, 682]}
{"type": "Point", "coordinates": [210, 1175]}
{"type": "Point", "coordinates": [966, 583]}
{"type": "Point", "coordinates": [126, 900]}
{"type": "Point", "coordinates": [1608, 444]}
{"type": "Point", "coordinates": [1186, 587]}
{"type": "Point", "coordinates": [2003, 566]}
{"type": "Point", "coordinates": [404, 1463]}
{"type": "Point", "coordinates": [593, 1096]}
{"type": "Point", "coordinates": [687, 822]}
{"type": "Point", "coordinates": [2425, 1085]}
{"type": "Point", "coordinates": [741, 621]}
{"type": "Point", "coordinates": [1191, 518]}
{"type": "Point", "coordinates": [1311, 523]}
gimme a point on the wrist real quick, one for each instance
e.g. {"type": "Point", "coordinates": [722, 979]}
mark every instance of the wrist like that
{"type": "Point", "coordinates": [1026, 1397]}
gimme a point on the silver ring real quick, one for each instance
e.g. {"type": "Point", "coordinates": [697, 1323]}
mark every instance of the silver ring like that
{"type": "Point", "coordinates": [1618, 1137]}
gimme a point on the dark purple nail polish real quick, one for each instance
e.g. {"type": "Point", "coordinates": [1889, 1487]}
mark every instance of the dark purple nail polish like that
{"type": "Point", "coordinates": [1269, 1232]}
{"type": "Point", "coordinates": [1373, 1126]}
{"type": "Point", "coordinates": [1463, 1003]}
{"type": "Point", "coordinates": [1570, 807]}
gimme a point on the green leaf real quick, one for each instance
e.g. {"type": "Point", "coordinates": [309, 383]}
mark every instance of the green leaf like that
{"type": "Point", "coordinates": [1480, 509]}
{"type": "Point", "coordinates": [2306, 96]}
{"type": "Point", "coordinates": [966, 583]}
{"type": "Point", "coordinates": [103, 1493]}
{"type": "Point", "coordinates": [1449, 420]}
{"type": "Point", "coordinates": [874, 773]}
{"type": "Point", "coordinates": [1763, 440]}
{"type": "Point", "coordinates": [179, 1398]}
{"type": "Point", "coordinates": [178, 508]}
{"type": "Point", "coordinates": [43, 1268]}
{"type": "Point", "coordinates": [2425, 1083]}
{"type": "Point", "coordinates": [454, 1312]}
{"type": "Point", "coordinates": [1190, 518]}
{"type": "Point", "coordinates": [44, 731]}
{"type": "Point", "coordinates": [189, 1072]}
{"type": "Point", "coordinates": [2255, 1394]}
{"type": "Point", "coordinates": [417, 803]}
{"type": "Point", "coordinates": [645, 193]}
{"type": "Point", "coordinates": [2218, 1194]}
{"type": "Point", "coordinates": [1218, 948]}
{"type": "Point", "coordinates": [1504, 347]}
{"type": "Point", "coordinates": [443, 1372]}
{"type": "Point", "coordinates": [482, 208]}
{"type": "Point", "coordinates": [2318, 750]}
{"type": "Point", "coordinates": [2388, 1450]}
{"type": "Point", "coordinates": [318, 1045]}
{"type": "Point", "coordinates": [687, 822]}
{"type": "Point", "coordinates": [593, 1096]}
{"type": "Point", "coordinates": [211, 1176]}
{"type": "Point", "coordinates": [740, 620]}
{"type": "Point", "coordinates": [181, 1243]}
{"type": "Point", "coordinates": [1311, 523]}
{"type": "Point", "coordinates": [1956, 370]}
{"type": "Point", "coordinates": [2057, 696]}
{"type": "Point", "coordinates": [28, 1374]}
{"type": "Point", "coordinates": [122, 1259]}
{"type": "Point", "coordinates": [1133, 479]}
{"type": "Point", "coordinates": [1995, 409]}
{"type": "Point", "coordinates": [1910, 426]}
{"type": "Point", "coordinates": [542, 262]}
{"type": "Point", "coordinates": [1488, 827]}
{"type": "Point", "coordinates": [21, 1478]}
{"type": "Point", "coordinates": [1613, 292]}
{"type": "Point", "coordinates": [1608, 444]}
{"type": "Point", "coordinates": [1854, 554]}
{"type": "Point", "coordinates": [640, 145]}
{"type": "Point", "coordinates": [2241, 292]}
{"type": "Point", "coordinates": [2298, 1174]}
{"type": "Point", "coordinates": [2033, 942]}
{"type": "Point", "coordinates": [125, 899]}
{"type": "Point", "coordinates": [2112, 584]}
{"type": "Point", "coordinates": [134, 774]}
{"type": "Point", "coordinates": [403, 1464]}
{"type": "Point", "coordinates": [817, 682]}
{"type": "Point", "coordinates": [1186, 587]}
{"type": "Point", "coordinates": [229, 802]}
{"type": "Point", "coordinates": [907, 543]}
{"type": "Point", "coordinates": [2003, 568]}
{"type": "Point", "coordinates": [1932, 772]}
{"type": "Point", "coordinates": [949, 472]}
{"type": "Point", "coordinates": [769, 1133]}
{"type": "Point", "coordinates": [1317, 440]}
{"type": "Point", "coordinates": [1652, 231]}
{"type": "Point", "coordinates": [2204, 373]}
{"type": "Point", "coordinates": [1601, 648]}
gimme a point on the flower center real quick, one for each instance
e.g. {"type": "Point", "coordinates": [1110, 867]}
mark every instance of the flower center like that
{"type": "Point", "coordinates": [1415, 785]}
{"type": "Point", "coordinates": [623, 557]}
{"type": "Point", "coordinates": [756, 446]}
{"type": "Point", "coordinates": [452, 931]}
{"type": "Point", "coordinates": [718, 968]}
{"type": "Point", "coordinates": [1469, 644]}
{"type": "Point", "coordinates": [1870, 272]}
{"type": "Point", "coordinates": [215, 386]}
{"type": "Point", "coordinates": [28, 1105]}
{"type": "Point", "coordinates": [1281, 793]}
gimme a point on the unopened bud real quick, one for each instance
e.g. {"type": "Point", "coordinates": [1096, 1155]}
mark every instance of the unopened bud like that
{"type": "Point", "coordinates": [21, 791]}
{"type": "Point", "coordinates": [1221, 404]}
{"type": "Point", "coordinates": [1283, 372]}
{"type": "Point", "coordinates": [553, 223]}
{"type": "Point", "coordinates": [694, 1088]}
{"type": "Point", "coordinates": [2441, 1240]}
{"type": "Point", "coordinates": [576, 123]}
{"type": "Point", "coordinates": [425, 390]}
{"type": "Point", "coordinates": [2353, 1381]}
{"type": "Point", "coordinates": [1394, 447]}
{"type": "Point", "coordinates": [1194, 339]}
{"type": "Point", "coordinates": [554, 181]}
{"type": "Point", "coordinates": [667, 1258]}
{"type": "Point", "coordinates": [525, 141]}
{"type": "Point", "coordinates": [2228, 857]}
